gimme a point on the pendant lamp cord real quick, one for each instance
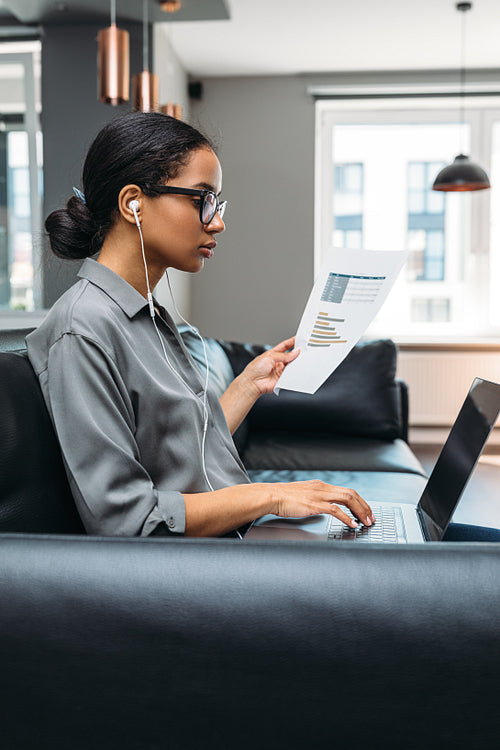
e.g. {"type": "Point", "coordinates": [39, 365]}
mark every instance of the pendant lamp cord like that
{"type": "Point", "coordinates": [462, 89]}
{"type": "Point", "coordinates": [113, 12]}
{"type": "Point", "coordinates": [463, 8]}
{"type": "Point", "coordinates": [145, 34]}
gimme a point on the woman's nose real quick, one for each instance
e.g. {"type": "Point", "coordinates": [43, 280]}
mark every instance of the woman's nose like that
{"type": "Point", "coordinates": [216, 225]}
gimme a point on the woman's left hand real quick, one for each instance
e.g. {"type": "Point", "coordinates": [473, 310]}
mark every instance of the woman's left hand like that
{"type": "Point", "coordinates": [263, 372]}
{"type": "Point", "coordinates": [259, 376]}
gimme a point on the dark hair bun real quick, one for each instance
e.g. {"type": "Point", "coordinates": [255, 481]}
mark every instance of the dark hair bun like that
{"type": "Point", "coordinates": [71, 230]}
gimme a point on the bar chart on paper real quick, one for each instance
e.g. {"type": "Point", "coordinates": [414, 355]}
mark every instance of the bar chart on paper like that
{"type": "Point", "coordinates": [349, 289]}
{"type": "Point", "coordinates": [325, 331]}
{"type": "Point", "coordinates": [341, 288]}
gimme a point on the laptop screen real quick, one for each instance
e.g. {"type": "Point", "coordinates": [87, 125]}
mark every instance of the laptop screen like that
{"type": "Point", "coordinates": [459, 456]}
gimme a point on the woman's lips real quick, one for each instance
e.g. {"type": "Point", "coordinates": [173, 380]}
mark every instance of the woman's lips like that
{"type": "Point", "coordinates": [207, 250]}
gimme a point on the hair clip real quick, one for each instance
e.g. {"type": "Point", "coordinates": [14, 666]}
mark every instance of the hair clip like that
{"type": "Point", "coordinates": [79, 194]}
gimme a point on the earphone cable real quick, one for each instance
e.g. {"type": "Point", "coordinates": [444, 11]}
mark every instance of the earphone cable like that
{"type": "Point", "coordinates": [207, 372]}
{"type": "Point", "coordinates": [195, 331]}
{"type": "Point", "coordinates": [205, 389]}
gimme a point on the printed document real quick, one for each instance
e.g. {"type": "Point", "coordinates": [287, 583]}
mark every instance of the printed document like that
{"type": "Point", "coordinates": [347, 294]}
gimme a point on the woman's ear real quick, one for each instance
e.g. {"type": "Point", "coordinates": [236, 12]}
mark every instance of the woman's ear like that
{"type": "Point", "coordinates": [128, 194]}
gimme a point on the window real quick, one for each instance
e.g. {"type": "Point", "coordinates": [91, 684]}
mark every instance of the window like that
{"type": "Point", "coordinates": [20, 175]}
{"type": "Point", "coordinates": [374, 172]}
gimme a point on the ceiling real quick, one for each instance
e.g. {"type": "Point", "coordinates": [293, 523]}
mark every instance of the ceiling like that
{"type": "Point", "coordinates": [279, 37]}
{"type": "Point", "coordinates": [303, 36]}
{"type": "Point", "coordinates": [89, 11]}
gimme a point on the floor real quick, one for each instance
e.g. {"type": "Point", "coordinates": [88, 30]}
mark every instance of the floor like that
{"type": "Point", "coordinates": [480, 503]}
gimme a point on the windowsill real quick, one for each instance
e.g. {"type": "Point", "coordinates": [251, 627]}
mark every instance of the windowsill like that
{"type": "Point", "coordinates": [442, 341]}
{"type": "Point", "coordinates": [13, 320]}
{"type": "Point", "coordinates": [448, 343]}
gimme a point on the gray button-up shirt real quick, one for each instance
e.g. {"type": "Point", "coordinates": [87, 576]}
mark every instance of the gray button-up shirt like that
{"type": "Point", "coordinates": [129, 423]}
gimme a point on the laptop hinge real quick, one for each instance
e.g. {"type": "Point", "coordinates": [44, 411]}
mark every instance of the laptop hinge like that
{"type": "Point", "coordinates": [423, 524]}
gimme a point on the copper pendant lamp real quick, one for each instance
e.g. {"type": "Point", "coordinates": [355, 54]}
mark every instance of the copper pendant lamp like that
{"type": "Point", "coordinates": [170, 6]}
{"type": "Point", "coordinates": [113, 62]}
{"type": "Point", "coordinates": [463, 175]}
{"type": "Point", "coordinates": [145, 84]}
{"type": "Point", "coordinates": [171, 109]}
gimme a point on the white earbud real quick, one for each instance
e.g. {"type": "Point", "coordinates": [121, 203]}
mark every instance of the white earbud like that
{"type": "Point", "coordinates": [134, 207]}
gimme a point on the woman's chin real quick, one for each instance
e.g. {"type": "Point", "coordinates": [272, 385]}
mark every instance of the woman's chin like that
{"type": "Point", "coordinates": [194, 266]}
{"type": "Point", "coordinates": [200, 265]}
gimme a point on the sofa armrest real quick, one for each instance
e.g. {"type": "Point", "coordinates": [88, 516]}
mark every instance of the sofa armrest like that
{"type": "Point", "coordinates": [126, 644]}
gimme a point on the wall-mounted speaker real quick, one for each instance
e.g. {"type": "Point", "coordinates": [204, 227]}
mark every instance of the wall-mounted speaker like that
{"type": "Point", "coordinates": [195, 90]}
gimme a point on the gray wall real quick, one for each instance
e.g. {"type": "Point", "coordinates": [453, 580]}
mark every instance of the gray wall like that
{"type": "Point", "coordinates": [71, 117]}
{"type": "Point", "coordinates": [256, 286]}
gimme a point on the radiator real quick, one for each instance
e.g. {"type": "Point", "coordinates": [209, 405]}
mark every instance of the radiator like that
{"type": "Point", "coordinates": [438, 381]}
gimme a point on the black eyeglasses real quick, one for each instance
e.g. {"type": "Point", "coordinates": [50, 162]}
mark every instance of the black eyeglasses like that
{"type": "Point", "coordinates": [209, 205]}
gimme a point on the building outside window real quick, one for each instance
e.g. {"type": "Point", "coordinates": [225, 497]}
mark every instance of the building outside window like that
{"type": "Point", "coordinates": [348, 205]}
{"type": "Point", "coordinates": [375, 168]}
{"type": "Point", "coordinates": [426, 224]}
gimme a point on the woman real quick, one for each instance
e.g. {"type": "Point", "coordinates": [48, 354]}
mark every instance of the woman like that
{"type": "Point", "coordinates": [147, 450]}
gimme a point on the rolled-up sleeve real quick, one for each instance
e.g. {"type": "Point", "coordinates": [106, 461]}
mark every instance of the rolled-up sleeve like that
{"type": "Point", "coordinates": [170, 509]}
{"type": "Point", "coordinates": [93, 415]}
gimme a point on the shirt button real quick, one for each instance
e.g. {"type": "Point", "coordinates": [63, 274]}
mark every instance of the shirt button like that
{"type": "Point", "coordinates": [171, 522]}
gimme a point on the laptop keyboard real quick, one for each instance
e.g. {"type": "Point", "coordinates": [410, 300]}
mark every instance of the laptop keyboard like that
{"type": "Point", "coordinates": [387, 529]}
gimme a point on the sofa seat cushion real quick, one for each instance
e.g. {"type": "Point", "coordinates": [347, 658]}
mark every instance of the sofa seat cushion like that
{"type": "Point", "coordinates": [302, 451]}
{"type": "Point", "coordinates": [373, 486]}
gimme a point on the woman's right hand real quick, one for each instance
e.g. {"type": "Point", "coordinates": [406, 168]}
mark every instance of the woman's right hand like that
{"type": "Point", "coordinates": [217, 512]}
{"type": "Point", "coordinates": [298, 499]}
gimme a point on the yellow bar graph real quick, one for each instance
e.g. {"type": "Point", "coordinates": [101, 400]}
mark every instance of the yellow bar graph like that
{"type": "Point", "coordinates": [324, 333]}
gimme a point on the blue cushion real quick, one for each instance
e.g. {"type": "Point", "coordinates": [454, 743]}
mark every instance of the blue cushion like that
{"type": "Point", "coordinates": [220, 373]}
{"type": "Point", "coordinates": [220, 370]}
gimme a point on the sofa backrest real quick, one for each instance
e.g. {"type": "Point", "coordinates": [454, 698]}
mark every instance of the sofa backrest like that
{"type": "Point", "coordinates": [14, 339]}
{"type": "Point", "coordinates": [34, 492]}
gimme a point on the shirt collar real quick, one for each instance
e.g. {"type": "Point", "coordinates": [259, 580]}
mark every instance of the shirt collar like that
{"type": "Point", "coordinates": [128, 298]}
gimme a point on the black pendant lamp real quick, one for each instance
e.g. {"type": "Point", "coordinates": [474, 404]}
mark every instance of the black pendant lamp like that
{"type": "Point", "coordinates": [463, 175]}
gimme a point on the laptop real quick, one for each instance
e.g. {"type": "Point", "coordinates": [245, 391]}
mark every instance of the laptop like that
{"type": "Point", "coordinates": [405, 523]}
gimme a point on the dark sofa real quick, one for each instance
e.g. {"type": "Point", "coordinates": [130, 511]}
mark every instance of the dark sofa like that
{"type": "Point", "coordinates": [177, 643]}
